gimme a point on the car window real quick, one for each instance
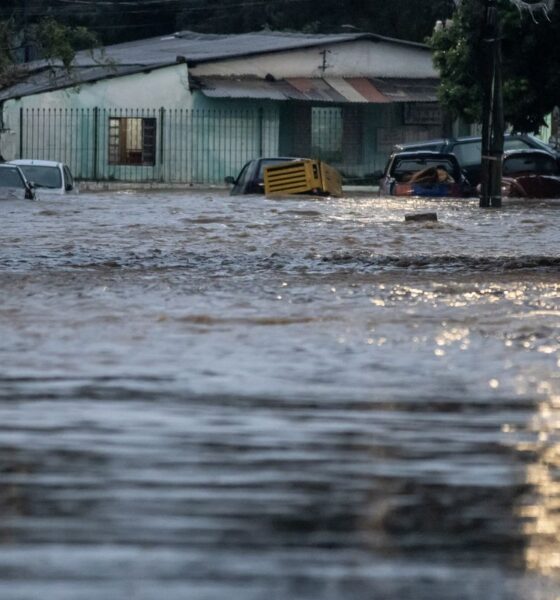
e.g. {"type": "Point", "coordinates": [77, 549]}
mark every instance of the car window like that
{"type": "Point", "coordinates": [242, 174]}
{"type": "Point", "coordinates": [68, 177]}
{"type": "Point", "coordinates": [11, 178]}
{"type": "Point", "coordinates": [543, 165]}
{"type": "Point", "coordinates": [534, 142]}
{"type": "Point", "coordinates": [412, 165]}
{"type": "Point", "coordinates": [515, 144]}
{"type": "Point", "coordinates": [468, 153]}
{"type": "Point", "coordinates": [43, 176]}
{"type": "Point", "coordinates": [434, 147]}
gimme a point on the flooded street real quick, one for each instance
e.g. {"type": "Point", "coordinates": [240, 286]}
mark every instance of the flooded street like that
{"type": "Point", "coordinates": [206, 397]}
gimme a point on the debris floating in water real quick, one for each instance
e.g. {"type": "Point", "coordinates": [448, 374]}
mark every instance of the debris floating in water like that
{"type": "Point", "coordinates": [429, 216]}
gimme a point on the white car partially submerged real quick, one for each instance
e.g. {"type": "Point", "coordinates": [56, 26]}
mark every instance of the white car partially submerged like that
{"type": "Point", "coordinates": [47, 176]}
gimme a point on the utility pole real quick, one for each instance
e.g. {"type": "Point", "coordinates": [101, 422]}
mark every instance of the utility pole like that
{"type": "Point", "coordinates": [492, 110]}
{"type": "Point", "coordinates": [25, 41]}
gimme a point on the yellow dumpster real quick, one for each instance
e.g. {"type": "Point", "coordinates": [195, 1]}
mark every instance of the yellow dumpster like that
{"type": "Point", "coordinates": [304, 176]}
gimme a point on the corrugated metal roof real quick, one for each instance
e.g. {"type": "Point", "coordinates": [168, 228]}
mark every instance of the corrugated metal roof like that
{"type": "Point", "coordinates": [317, 90]}
{"type": "Point", "coordinates": [352, 90]}
{"type": "Point", "coordinates": [367, 90]}
{"type": "Point", "coordinates": [203, 47]}
{"type": "Point", "coordinates": [53, 78]}
{"type": "Point", "coordinates": [407, 90]}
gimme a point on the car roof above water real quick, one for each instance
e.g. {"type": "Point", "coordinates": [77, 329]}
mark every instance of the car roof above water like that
{"type": "Point", "coordinates": [36, 162]}
{"type": "Point", "coordinates": [444, 142]}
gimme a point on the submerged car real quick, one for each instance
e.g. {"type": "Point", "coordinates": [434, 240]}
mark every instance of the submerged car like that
{"type": "Point", "coordinates": [424, 174]}
{"type": "Point", "coordinates": [50, 176]}
{"type": "Point", "coordinates": [13, 184]}
{"type": "Point", "coordinates": [530, 174]}
{"type": "Point", "coordinates": [251, 177]}
{"type": "Point", "coordinates": [468, 150]}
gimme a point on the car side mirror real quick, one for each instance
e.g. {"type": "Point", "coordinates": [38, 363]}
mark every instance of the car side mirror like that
{"type": "Point", "coordinates": [68, 187]}
{"type": "Point", "coordinates": [229, 180]}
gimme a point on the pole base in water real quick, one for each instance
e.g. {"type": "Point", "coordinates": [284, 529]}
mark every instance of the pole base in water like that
{"type": "Point", "coordinates": [490, 202]}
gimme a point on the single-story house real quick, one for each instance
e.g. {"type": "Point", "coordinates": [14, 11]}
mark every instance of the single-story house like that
{"type": "Point", "coordinates": [192, 107]}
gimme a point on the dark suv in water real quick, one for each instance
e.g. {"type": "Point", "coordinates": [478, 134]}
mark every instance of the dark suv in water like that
{"type": "Point", "coordinates": [251, 177]}
{"type": "Point", "coordinates": [468, 150]}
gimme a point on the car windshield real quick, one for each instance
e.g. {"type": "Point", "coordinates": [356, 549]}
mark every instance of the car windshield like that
{"type": "Point", "coordinates": [536, 143]}
{"type": "Point", "coordinates": [407, 166]}
{"type": "Point", "coordinates": [468, 153]}
{"type": "Point", "coordinates": [11, 178]}
{"type": "Point", "coordinates": [543, 165]}
{"type": "Point", "coordinates": [43, 176]}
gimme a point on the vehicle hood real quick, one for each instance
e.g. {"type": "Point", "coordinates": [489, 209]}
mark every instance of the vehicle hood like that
{"type": "Point", "coordinates": [532, 186]}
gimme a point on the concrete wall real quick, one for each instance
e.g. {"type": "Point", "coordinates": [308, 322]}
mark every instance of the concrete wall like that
{"type": "Point", "coordinates": [352, 59]}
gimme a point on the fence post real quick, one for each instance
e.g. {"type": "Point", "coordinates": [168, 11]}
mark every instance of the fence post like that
{"type": "Point", "coordinates": [21, 132]}
{"type": "Point", "coordinates": [95, 142]}
{"type": "Point", "coordinates": [161, 140]}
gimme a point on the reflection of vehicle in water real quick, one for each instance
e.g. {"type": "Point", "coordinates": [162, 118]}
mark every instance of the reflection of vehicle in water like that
{"type": "Point", "coordinates": [530, 174]}
{"type": "Point", "coordinates": [13, 184]}
{"type": "Point", "coordinates": [423, 174]}
{"type": "Point", "coordinates": [50, 176]}
{"type": "Point", "coordinates": [285, 175]}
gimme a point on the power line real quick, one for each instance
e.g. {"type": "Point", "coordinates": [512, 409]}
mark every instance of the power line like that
{"type": "Point", "coordinates": [158, 3]}
{"type": "Point", "coordinates": [139, 8]}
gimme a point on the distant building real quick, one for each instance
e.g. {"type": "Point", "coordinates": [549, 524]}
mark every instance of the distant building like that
{"type": "Point", "coordinates": [192, 107]}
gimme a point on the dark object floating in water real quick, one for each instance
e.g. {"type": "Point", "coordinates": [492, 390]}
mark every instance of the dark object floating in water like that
{"type": "Point", "coordinates": [430, 216]}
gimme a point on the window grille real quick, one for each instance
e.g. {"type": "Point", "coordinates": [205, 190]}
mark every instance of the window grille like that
{"type": "Point", "coordinates": [132, 141]}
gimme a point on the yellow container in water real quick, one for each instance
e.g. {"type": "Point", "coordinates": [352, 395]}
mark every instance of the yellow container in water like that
{"type": "Point", "coordinates": [304, 176]}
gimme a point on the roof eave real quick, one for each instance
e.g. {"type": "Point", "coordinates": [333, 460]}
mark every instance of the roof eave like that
{"type": "Point", "coordinates": [101, 77]}
{"type": "Point", "coordinates": [311, 44]}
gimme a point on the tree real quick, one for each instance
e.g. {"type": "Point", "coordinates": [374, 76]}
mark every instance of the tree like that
{"type": "Point", "coordinates": [530, 64]}
{"type": "Point", "coordinates": [48, 39]}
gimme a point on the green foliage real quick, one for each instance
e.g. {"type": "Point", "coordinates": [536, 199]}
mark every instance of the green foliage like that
{"type": "Point", "coordinates": [49, 40]}
{"type": "Point", "coordinates": [456, 54]}
{"type": "Point", "coordinates": [5, 42]}
{"type": "Point", "coordinates": [530, 64]}
{"type": "Point", "coordinates": [55, 41]}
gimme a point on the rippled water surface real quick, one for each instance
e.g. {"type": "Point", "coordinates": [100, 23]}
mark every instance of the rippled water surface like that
{"type": "Point", "coordinates": [206, 397]}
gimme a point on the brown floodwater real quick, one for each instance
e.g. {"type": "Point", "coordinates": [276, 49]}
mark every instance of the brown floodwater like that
{"type": "Point", "coordinates": [208, 397]}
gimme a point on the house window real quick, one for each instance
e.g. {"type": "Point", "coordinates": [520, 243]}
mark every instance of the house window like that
{"type": "Point", "coordinates": [132, 141]}
{"type": "Point", "coordinates": [326, 133]}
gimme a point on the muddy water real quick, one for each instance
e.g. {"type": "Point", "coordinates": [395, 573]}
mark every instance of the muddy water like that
{"type": "Point", "coordinates": [205, 397]}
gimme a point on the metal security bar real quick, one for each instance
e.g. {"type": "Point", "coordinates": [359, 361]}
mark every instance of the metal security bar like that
{"type": "Point", "coordinates": [185, 146]}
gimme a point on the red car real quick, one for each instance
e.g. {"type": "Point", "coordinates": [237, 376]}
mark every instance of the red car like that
{"type": "Point", "coordinates": [530, 174]}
